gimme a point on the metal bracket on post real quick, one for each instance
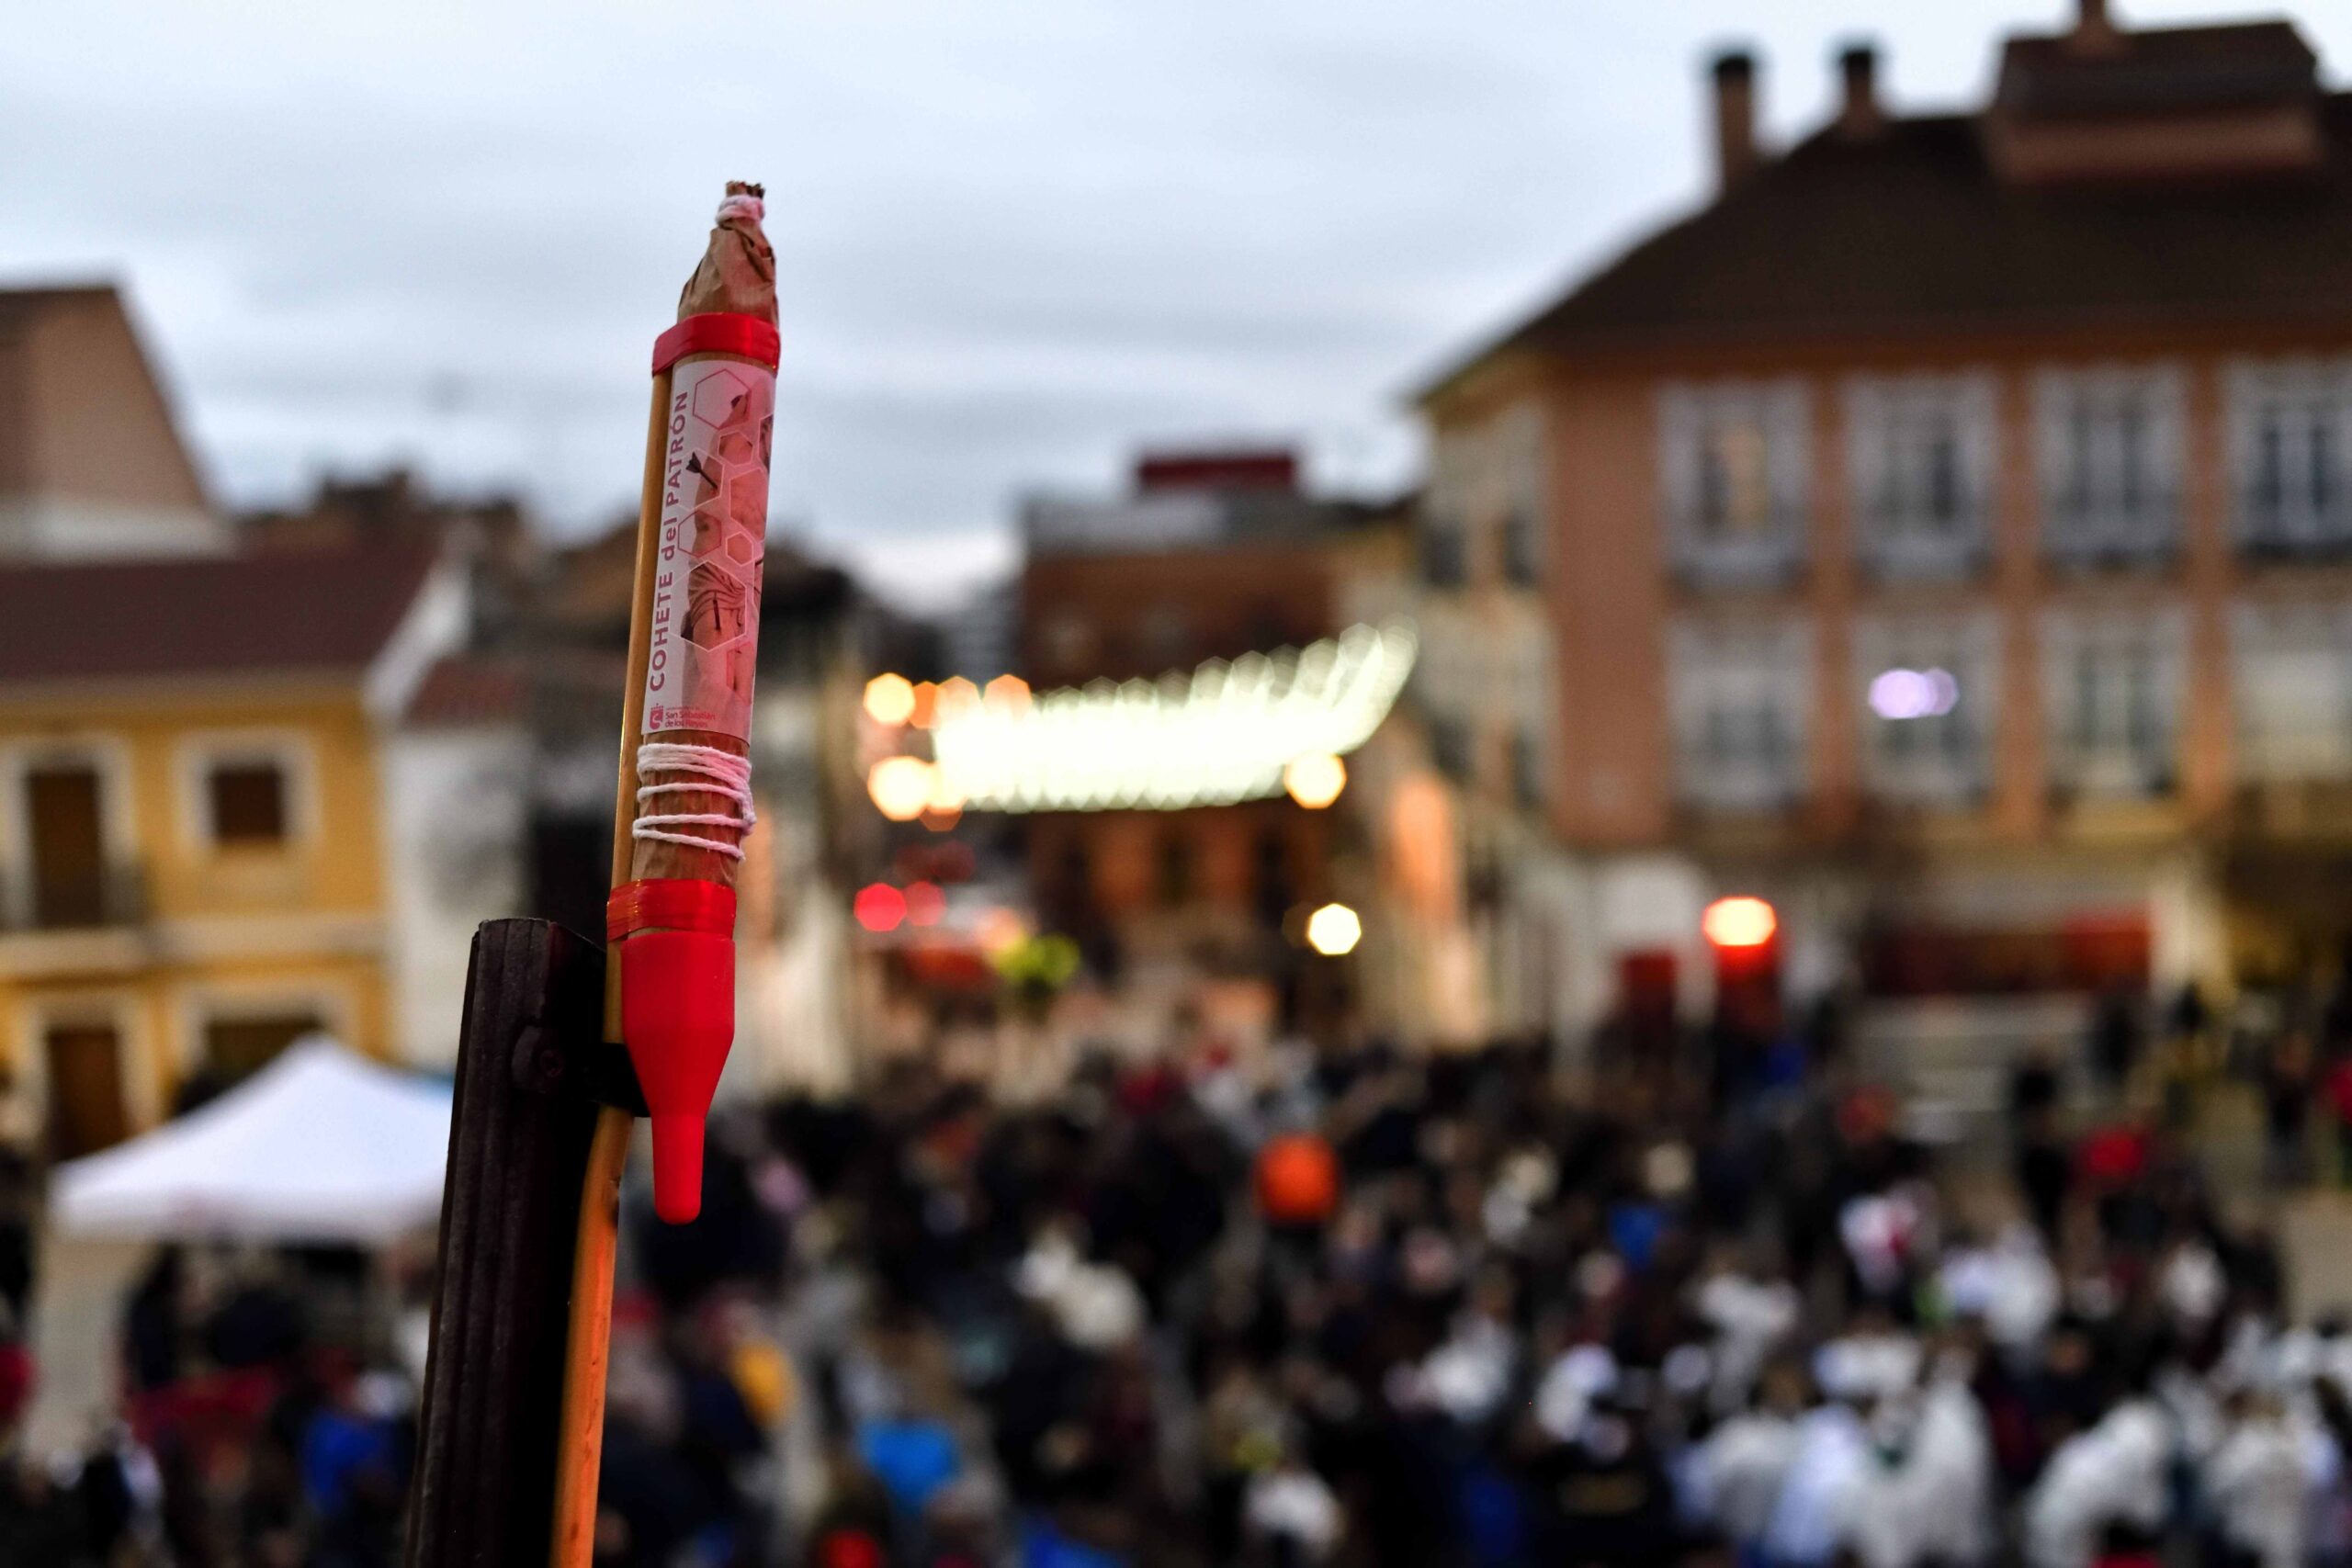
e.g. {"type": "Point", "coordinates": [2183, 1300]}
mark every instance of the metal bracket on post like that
{"type": "Point", "coordinates": [533, 1070]}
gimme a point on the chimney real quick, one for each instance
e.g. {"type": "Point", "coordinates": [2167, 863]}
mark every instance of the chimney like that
{"type": "Point", "coordinates": [1859, 113]}
{"type": "Point", "coordinates": [1736, 155]}
{"type": "Point", "coordinates": [2094, 30]}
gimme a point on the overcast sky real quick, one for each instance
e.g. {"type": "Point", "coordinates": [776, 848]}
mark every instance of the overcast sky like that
{"type": "Point", "coordinates": [1015, 239]}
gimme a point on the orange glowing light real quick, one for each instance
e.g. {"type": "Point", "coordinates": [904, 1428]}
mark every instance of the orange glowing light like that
{"type": "Point", "coordinates": [1739, 921]}
{"type": "Point", "coordinates": [957, 695]}
{"type": "Point", "coordinates": [889, 699]}
{"type": "Point", "coordinates": [1314, 779]}
{"type": "Point", "coordinates": [1008, 691]}
{"type": "Point", "coordinates": [879, 907]}
{"type": "Point", "coordinates": [901, 787]}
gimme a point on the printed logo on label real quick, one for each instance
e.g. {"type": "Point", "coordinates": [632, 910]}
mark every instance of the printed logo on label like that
{"type": "Point", "coordinates": [703, 629]}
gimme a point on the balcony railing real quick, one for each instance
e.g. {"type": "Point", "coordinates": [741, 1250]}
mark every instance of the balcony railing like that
{"type": "Point", "coordinates": [109, 897]}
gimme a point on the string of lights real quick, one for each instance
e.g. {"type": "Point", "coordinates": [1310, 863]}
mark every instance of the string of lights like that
{"type": "Point", "coordinates": [1223, 733]}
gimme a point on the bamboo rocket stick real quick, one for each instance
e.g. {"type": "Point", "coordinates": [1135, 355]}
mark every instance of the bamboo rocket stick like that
{"type": "Point", "coordinates": [736, 276]}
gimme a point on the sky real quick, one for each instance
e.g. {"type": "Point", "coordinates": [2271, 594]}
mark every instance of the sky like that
{"type": "Point", "coordinates": [1016, 240]}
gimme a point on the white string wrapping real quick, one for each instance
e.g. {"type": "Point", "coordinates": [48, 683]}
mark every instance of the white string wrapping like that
{"type": "Point", "coordinates": [742, 205]}
{"type": "Point", "coordinates": [716, 773]}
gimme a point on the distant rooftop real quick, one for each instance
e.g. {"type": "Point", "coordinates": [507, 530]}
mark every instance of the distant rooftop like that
{"type": "Point", "coordinates": [2175, 176]}
{"type": "Point", "coordinates": [1189, 500]}
{"type": "Point", "coordinates": [304, 613]}
{"type": "Point", "coordinates": [91, 462]}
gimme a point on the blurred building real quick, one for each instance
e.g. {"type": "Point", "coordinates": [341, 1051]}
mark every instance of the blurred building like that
{"type": "Point", "coordinates": [458, 781]}
{"type": "Point", "coordinates": [192, 869]}
{"type": "Point", "coordinates": [1942, 533]}
{"type": "Point", "coordinates": [1214, 556]}
{"type": "Point", "coordinates": [90, 465]}
{"type": "Point", "coordinates": [490, 537]}
{"type": "Point", "coordinates": [1486, 691]}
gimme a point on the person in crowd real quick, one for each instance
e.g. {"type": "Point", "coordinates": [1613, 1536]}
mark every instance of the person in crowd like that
{"type": "Point", "coordinates": [1343, 1307]}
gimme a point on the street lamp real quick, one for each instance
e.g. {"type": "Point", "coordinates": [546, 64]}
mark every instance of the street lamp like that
{"type": "Point", "coordinates": [1314, 779]}
{"type": "Point", "coordinates": [1334, 929]}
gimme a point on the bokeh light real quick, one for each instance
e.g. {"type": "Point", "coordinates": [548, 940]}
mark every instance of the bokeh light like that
{"type": "Point", "coordinates": [1334, 929]}
{"type": "Point", "coordinates": [901, 787]}
{"type": "Point", "coordinates": [879, 907]}
{"type": "Point", "coordinates": [1314, 779]}
{"type": "Point", "coordinates": [1739, 921]}
{"type": "Point", "coordinates": [889, 699]}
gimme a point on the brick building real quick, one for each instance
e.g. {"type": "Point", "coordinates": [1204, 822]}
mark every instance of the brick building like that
{"type": "Point", "coordinates": [1212, 556]}
{"type": "Point", "coordinates": [1945, 532]}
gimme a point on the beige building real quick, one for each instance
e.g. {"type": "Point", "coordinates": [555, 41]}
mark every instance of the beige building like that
{"type": "Point", "coordinates": [1945, 532]}
{"type": "Point", "coordinates": [90, 465]}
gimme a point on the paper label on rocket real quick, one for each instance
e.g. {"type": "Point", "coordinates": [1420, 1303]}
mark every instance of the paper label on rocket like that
{"type": "Point", "coordinates": [703, 629]}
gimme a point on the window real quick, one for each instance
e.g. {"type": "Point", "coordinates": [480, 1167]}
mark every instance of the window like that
{"type": "Point", "coordinates": [2291, 674]}
{"type": "Point", "coordinates": [1919, 461]}
{"type": "Point", "coordinates": [1444, 551]}
{"type": "Point", "coordinates": [88, 1108]}
{"type": "Point", "coordinates": [237, 1047]}
{"type": "Point", "coordinates": [1929, 690]}
{"type": "Point", "coordinates": [2109, 458]}
{"type": "Point", "coordinates": [247, 791]}
{"type": "Point", "coordinates": [1272, 890]}
{"type": "Point", "coordinates": [1519, 478]}
{"type": "Point", "coordinates": [1522, 557]}
{"type": "Point", "coordinates": [65, 836]}
{"type": "Point", "coordinates": [2291, 432]}
{"type": "Point", "coordinates": [1733, 473]}
{"type": "Point", "coordinates": [2112, 684]}
{"type": "Point", "coordinates": [248, 803]}
{"type": "Point", "coordinates": [1527, 769]}
{"type": "Point", "coordinates": [1528, 660]}
{"type": "Point", "coordinates": [1487, 485]}
{"type": "Point", "coordinates": [1172, 869]}
{"type": "Point", "coordinates": [1739, 697]}
{"type": "Point", "coordinates": [73, 867]}
{"type": "Point", "coordinates": [1450, 748]}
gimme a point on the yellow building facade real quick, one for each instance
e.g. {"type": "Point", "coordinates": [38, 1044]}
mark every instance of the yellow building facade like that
{"type": "Point", "coordinates": [192, 869]}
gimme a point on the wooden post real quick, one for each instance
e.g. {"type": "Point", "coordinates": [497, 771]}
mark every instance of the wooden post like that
{"type": "Point", "coordinates": [532, 1079]}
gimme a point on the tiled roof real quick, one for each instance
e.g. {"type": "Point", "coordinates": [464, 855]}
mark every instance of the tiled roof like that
{"type": "Point", "coordinates": [468, 688]}
{"type": "Point", "coordinates": [1911, 229]}
{"type": "Point", "coordinates": [309, 612]}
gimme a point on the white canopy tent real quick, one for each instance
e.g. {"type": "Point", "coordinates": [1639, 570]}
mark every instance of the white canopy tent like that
{"type": "Point", "coordinates": [321, 1145]}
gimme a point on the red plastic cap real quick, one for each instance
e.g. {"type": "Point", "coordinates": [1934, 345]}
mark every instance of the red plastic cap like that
{"type": "Point", "coordinates": [678, 1019]}
{"type": "Point", "coordinates": [719, 332]}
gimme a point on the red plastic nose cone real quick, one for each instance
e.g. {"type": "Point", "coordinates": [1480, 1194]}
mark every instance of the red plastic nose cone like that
{"type": "Point", "coordinates": [678, 1019]}
{"type": "Point", "coordinates": [677, 1165]}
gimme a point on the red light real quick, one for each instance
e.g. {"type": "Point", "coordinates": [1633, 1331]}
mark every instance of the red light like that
{"type": "Point", "coordinates": [1739, 922]}
{"type": "Point", "coordinates": [925, 904]}
{"type": "Point", "coordinates": [879, 907]}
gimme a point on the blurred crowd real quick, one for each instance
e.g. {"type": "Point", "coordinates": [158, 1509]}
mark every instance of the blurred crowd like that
{"type": "Point", "coordinates": [1694, 1305]}
{"type": "Point", "coordinates": [1707, 1302]}
{"type": "Point", "coordinates": [267, 1419]}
